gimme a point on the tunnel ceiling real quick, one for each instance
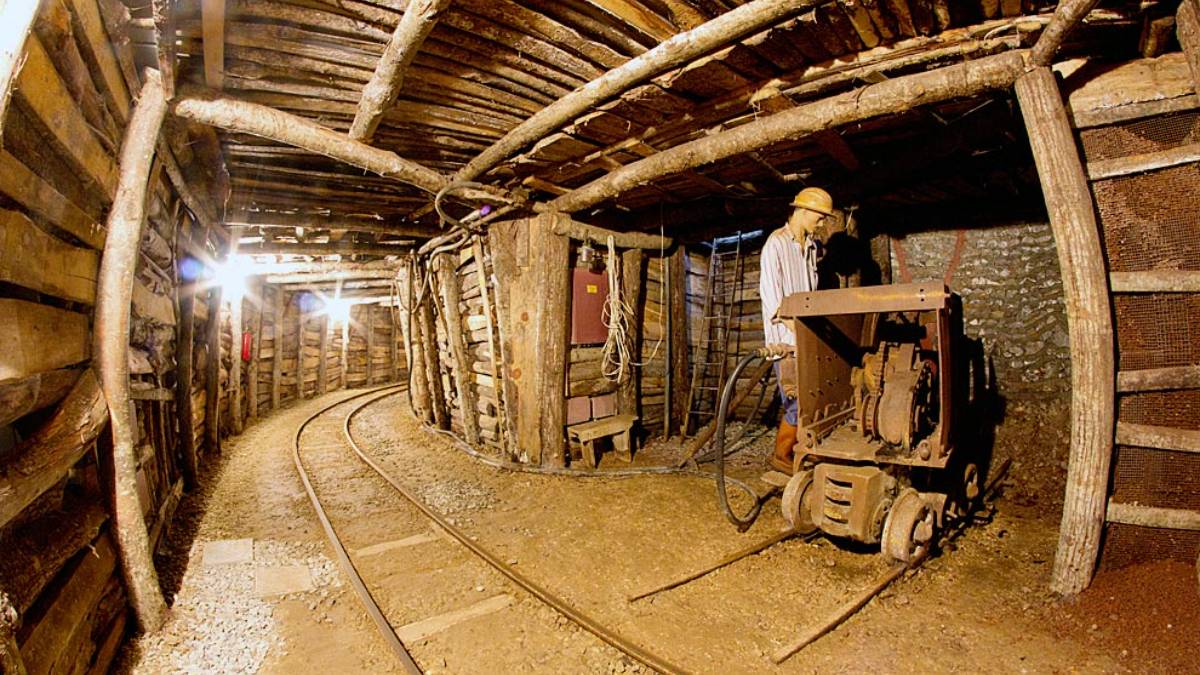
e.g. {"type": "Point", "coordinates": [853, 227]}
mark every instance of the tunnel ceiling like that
{"type": "Point", "coordinates": [488, 65]}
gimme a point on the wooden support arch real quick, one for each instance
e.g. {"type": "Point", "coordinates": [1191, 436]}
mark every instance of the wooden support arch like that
{"type": "Point", "coordinates": [1085, 289]}
{"type": "Point", "coordinates": [1067, 15]}
{"type": "Point", "coordinates": [114, 297]}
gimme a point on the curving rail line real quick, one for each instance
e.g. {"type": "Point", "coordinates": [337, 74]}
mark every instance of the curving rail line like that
{"type": "Point", "coordinates": [582, 619]}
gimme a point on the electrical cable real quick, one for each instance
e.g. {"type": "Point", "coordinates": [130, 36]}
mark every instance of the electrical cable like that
{"type": "Point", "coordinates": [743, 523]}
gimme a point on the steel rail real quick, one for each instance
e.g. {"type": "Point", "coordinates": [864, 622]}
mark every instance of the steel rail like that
{"type": "Point", "coordinates": [356, 580]}
{"type": "Point", "coordinates": [582, 619]}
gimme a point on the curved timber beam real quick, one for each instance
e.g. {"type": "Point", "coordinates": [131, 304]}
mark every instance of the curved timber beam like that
{"type": "Point", "coordinates": [380, 92]}
{"type": "Point", "coordinates": [114, 296]}
{"type": "Point", "coordinates": [1089, 322]}
{"type": "Point", "coordinates": [231, 114]}
{"type": "Point", "coordinates": [1067, 15]}
{"type": "Point", "coordinates": [675, 51]}
{"type": "Point", "coordinates": [890, 96]}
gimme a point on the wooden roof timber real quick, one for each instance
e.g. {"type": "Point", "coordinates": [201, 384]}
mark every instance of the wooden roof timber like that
{"type": "Point", "coordinates": [269, 219]}
{"type": "Point", "coordinates": [973, 77]}
{"type": "Point", "coordinates": [227, 113]}
{"type": "Point", "coordinates": [719, 32]}
{"type": "Point", "coordinates": [315, 248]}
{"type": "Point", "coordinates": [212, 21]}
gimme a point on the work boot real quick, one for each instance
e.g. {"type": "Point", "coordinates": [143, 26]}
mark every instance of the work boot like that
{"type": "Point", "coordinates": [785, 441]}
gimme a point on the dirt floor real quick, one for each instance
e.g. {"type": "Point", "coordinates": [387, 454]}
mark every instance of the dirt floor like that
{"type": "Point", "coordinates": [982, 605]}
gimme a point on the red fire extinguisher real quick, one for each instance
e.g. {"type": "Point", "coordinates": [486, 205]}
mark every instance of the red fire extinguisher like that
{"type": "Point", "coordinates": [247, 345]}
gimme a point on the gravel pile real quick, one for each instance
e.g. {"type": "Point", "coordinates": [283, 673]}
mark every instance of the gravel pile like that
{"type": "Point", "coordinates": [217, 623]}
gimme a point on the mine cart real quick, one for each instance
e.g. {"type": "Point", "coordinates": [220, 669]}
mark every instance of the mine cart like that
{"type": "Point", "coordinates": [878, 389]}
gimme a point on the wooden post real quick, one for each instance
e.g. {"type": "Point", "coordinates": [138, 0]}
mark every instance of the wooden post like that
{"type": "Point", "coordinates": [114, 297]}
{"type": "Point", "coordinates": [631, 293]}
{"type": "Point", "coordinates": [1085, 288]}
{"type": "Point", "coordinates": [531, 263]}
{"type": "Point", "coordinates": [236, 304]}
{"type": "Point", "coordinates": [255, 348]}
{"type": "Point", "coordinates": [323, 358]}
{"type": "Point", "coordinates": [1187, 28]}
{"type": "Point", "coordinates": [212, 399]}
{"type": "Point", "coordinates": [394, 343]}
{"type": "Point", "coordinates": [415, 345]}
{"type": "Point", "coordinates": [345, 352]}
{"type": "Point", "coordinates": [369, 338]}
{"type": "Point", "coordinates": [446, 264]}
{"type": "Point", "coordinates": [677, 341]}
{"type": "Point", "coordinates": [185, 359]}
{"type": "Point", "coordinates": [277, 352]}
{"type": "Point", "coordinates": [496, 352]}
{"type": "Point", "coordinates": [301, 320]}
{"type": "Point", "coordinates": [433, 372]}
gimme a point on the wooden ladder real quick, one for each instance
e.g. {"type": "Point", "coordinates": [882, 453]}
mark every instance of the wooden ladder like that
{"type": "Point", "coordinates": [722, 304]}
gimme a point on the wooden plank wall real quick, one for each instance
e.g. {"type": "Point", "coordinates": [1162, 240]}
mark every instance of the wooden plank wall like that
{"type": "Point", "coordinates": [58, 165]}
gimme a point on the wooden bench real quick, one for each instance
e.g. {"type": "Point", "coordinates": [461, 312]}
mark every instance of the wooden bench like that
{"type": "Point", "coordinates": [619, 427]}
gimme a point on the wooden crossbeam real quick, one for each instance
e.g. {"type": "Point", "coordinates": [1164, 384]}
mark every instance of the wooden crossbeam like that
{"type": "Point", "coordinates": [1151, 516]}
{"type": "Point", "coordinates": [967, 79]}
{"type": "Point", "coordinates": [1155, 281]}
{"type": "Point", "coordinates": [679, 49]}
{"type": "Point", "coordinates": [1158, 379]}
{"type": "Point", "coordinates": [1149, 161]}
{"type": "Point", "coordinates": [1161, 438]}
{"type": "Point", "coordinates": [381, 91]}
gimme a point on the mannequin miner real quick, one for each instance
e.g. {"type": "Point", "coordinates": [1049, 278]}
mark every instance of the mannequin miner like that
{"type": "Point", "coordinates": [789, 265]}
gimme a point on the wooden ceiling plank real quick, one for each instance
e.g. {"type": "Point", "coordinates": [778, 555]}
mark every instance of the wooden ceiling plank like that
{"type": "Point", "coordinates": [680, 49]}
{"type": "Point", "coordinates": [212, 22]}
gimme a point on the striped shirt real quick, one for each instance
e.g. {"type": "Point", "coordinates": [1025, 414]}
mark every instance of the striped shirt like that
{"type": "Point", "coordinates": [786, 267]}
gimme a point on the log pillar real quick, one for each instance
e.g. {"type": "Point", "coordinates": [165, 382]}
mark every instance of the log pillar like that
{"type": "Point", "coordinates": [212, 367]}
{"type": "Point", "coordinates": [256, 318]}
{"type": "Point", "coordinates": [323, 359]}
{"type": "Point", "coordinates": [301, 321]}
{"type": "Point", "coordinates": [433, 373]}
{"type": "Point", "coordinates": [277, 350]}
{"type": "Point", "coordinates": [185, 360]}
{"type": "Point", "coordinates": [631, 292]}
{"type": "Point", "coordinates": [1187, 28]}
{"type": "Point", "coordinates": [236, 303]}
{"type": "Point", "coordinates": [530, 263]}
{"type": "Point", "coordinates": [677, 341]}
{"type": "Point", "coordinates": [445, 264]}
{"type": "Point", "coordinates": [114, 297]}
{"type": "Point", "coordinates": [1089, 320]}
{"type": "Point", "coordinates": [369, 337]}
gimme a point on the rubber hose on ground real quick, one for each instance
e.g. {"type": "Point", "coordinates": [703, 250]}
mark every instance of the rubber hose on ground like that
{"type": "Point", "coordinates": [742, 523]}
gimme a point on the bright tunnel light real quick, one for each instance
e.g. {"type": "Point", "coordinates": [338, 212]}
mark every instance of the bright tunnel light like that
{"type": "Point", "coordinates": [338, 309]}
{"type": "Point", "coordinates": [231, 275]}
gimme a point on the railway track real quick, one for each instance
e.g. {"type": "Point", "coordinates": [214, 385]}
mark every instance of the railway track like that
{"type": "Point", "coordinates": [325, 438]}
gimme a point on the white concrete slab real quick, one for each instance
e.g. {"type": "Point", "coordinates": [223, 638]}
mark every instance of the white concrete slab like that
{"type": "Point", "coordinates": [419, 630]}
{"type": "Point", "coordinates": [228, 552]}
{"type": "Point", "coordinates": [386, 546]}
{"type": "Point", "coordinates": [270, 581]}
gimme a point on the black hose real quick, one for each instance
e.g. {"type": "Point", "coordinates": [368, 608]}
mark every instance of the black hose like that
{"type": "Point", "coordinates": [742, 523]}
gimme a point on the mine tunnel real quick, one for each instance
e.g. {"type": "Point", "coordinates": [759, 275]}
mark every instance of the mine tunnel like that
{"type": "Point", "coordinates": [599, 336]}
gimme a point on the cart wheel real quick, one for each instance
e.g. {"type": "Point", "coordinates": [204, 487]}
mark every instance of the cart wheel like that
{"type": "Point", "coordinates": [909, 528]}
{"type": "Point", "coordinates": [795, 511]}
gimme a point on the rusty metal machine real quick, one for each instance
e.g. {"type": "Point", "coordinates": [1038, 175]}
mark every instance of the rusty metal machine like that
{"type": "Point", "coordinates": [876, 381]}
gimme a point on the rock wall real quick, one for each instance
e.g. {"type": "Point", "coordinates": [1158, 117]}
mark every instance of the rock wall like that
{"type": "Point", "coordinates": [1009, 280]}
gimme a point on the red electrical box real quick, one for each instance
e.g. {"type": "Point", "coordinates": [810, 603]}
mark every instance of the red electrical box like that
{"type": "Point", "coordinates": [247, 346]}
{"type": "Point", "coordinates": [589, 292]}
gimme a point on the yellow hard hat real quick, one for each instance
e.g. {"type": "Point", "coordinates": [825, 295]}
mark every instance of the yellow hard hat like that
{"type": "Point", "coordinates": [814, 199]}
